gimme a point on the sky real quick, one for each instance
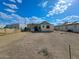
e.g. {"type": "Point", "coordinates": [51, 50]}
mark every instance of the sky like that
{"type": "Point", "coordinates": [36, 11]}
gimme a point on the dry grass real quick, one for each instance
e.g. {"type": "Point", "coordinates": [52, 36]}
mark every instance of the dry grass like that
{"type": "Point", "coordinates": [8, 31]}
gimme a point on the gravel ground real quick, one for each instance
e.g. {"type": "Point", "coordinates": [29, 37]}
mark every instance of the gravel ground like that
{"type": "Point", "coordinates": [54, 45]}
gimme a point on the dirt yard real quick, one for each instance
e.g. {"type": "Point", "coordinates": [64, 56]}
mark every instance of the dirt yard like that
{"type": "Point", "coordinates": [54, 45]}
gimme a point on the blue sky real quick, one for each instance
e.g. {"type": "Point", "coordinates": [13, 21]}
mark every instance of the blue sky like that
{"type": "Point", "coordinates": [53, 11]}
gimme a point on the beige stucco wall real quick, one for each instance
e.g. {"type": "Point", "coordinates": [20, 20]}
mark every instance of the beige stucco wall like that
{"type": "Point", "coordinates": [73, 27]}
{"type": "Point", "coordinates": [45, 29]}
{"type": "Point", "coordinates": [76, 28]}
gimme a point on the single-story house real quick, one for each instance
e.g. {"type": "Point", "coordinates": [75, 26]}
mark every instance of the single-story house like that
{"type": "Point", "coordinates": [41, 27]}
{"type": "Point", "coordinates": [74, 27]}
{"type": "Point", "coordinates": [10, 26]}
{"type": "Point", "coordinates": [23, 27]}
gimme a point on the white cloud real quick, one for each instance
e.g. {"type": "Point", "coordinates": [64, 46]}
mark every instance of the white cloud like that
{"type": "Point", "coordinates": [19, 1]}
{"type": "Point", "coordinates": [60, 7]}
{"type": "Point", "coordinates": [10, 10]}
{"type": "Point", "coordinates": [18, 19]}
{"type": "Point", "coordinates": [5, 16]}
{"type": "Point", "coordinates": [12, 6]}
{"type": "Point", "coordinates": [13, 1]}
{"type": "Point", "coordinates": [72, 18]}
{"type": "Point", "coordinates": [59, 21]}
{"type": "Point", "coordinates": [11, 18]}
{"type": "Point", "coordinates": [44, 4]}
{"type": "Point", "coordinates": [35, 19]}
{"type": "Point", "coordinates": [69, 19]}
{"type": "Point", "coordinates": [27, 20]}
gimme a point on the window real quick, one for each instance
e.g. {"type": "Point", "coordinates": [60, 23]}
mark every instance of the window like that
{"type": "Point", "coordinates": [39, 27]}
{"type": "Point", "coordinates": [43, 26]}
{"type": "Point", "coordinates": [47, 26]}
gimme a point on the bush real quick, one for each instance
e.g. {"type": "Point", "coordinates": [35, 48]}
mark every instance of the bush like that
{"type": "Point", "coordinates": [44, 52]}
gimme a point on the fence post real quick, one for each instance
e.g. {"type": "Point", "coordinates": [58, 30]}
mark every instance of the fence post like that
{"type": "Point", "coordinates": [70, 52]}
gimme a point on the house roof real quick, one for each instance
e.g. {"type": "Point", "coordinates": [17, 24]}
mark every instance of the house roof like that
{"type": "Point", "coordinates": [11, 25]}
{"type": "Point", "coordinates": [69, 24]}
{"type": "Point", "coordinates": [43, 22]}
